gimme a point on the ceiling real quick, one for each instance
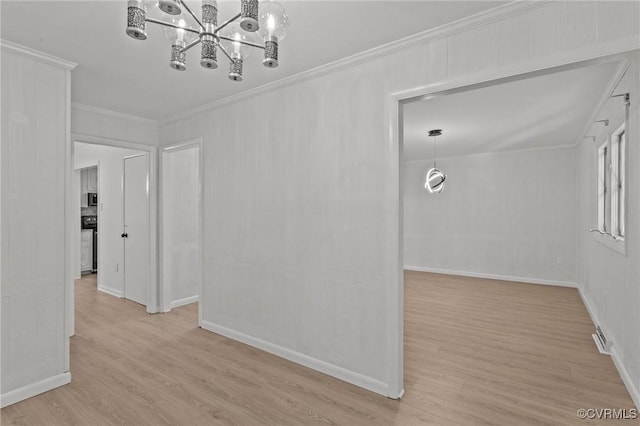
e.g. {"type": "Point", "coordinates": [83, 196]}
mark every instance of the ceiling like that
{"type": "Point", "coordinates": [544, 111]}
{"type": "Point", "coordinates": [118, 73]}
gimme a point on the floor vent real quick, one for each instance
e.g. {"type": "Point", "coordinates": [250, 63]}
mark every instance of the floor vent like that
{"type": "Point", "coordinates": [601, 341]}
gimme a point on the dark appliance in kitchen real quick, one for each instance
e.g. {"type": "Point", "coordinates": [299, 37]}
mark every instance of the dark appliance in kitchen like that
{"type": "Point", "coordinates": [91, 222]}
{"type": "Point", "coordinates": [92, 198]}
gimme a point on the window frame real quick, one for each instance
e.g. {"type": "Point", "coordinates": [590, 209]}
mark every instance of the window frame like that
{"type": "Point", "coordinates": [618, 191]}
{"type": "Point", "coordinates": [611, 194]}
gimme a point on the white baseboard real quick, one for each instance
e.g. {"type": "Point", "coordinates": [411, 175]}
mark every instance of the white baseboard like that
{"type": "Point", "coordinates": [626, 379]}
{"type": "Point", "coordinates": [615, 355]}
{"type": "Point", "coordinates": [590, 310]}
{"type": "Point", "coordinates": [185, 301]}
{"type": "Point", "coordinates": [34, 389]}
{"type": "Point", "coordinates": [341, 373]}
{"type": "Point", "coordinates": [527, 280]}
{"type": "Point", "coordinates": [111, 291]}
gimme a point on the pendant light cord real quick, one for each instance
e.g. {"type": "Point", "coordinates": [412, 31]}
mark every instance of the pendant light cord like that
{"type": "Point", "coordinates": [435, 151]}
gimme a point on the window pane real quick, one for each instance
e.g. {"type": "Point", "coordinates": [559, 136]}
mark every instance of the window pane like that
{"type": "Point", "coordinates": [607, 190]}
{"type": "Point", "coordinates": [621, 183]}
{"type": "Point", "coordinates": [601, 186]}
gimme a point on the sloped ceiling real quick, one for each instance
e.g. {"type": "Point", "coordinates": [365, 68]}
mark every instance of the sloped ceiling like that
{"type": "Point", "coordinates": [544, 111]}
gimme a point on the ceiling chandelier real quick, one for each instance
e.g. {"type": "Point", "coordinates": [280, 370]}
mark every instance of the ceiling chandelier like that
{"type": "Point", "coordinates": [235, 37]}
{"type": "Point", "coordinates": [434, 182]}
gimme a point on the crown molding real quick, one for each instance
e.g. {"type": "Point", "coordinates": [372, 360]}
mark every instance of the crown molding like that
{"type": "Point", "coordinates": [114, 114]}
{"type": "Point", "coordinates": [501, 12]}
{"type": "Point", "coordinates": [37, 54]}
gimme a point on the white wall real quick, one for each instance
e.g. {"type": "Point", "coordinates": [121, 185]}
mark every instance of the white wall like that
{"type": "Point", "coordinates": [112, 125]}
{"type": "Point", "coordinates": [181, 224]}
{"type": "Point", "coordinates": [610, 281]}
{"type": "Point", "coordinates": [510, 214]}
{"type": "Point", "coordinates": [35, 117]}
{"type": "Point", "coordinates": [299, 179]}
{"type": "Point", "coordinates": [110, 210]}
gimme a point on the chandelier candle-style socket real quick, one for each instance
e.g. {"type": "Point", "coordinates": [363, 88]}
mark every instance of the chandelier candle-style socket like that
{"type": "Point", "coordinates": [178, 56]}
{"type": "Point", "coordinates": [171, 7]}
{"type": "Point", "coordinates": [249, 15]}
{"type": "Point", "coordinates": [235, 37]}
{"type": "Point", "coordinates": [235, 69]}
{"type": "Point", "coordinates": [136, 20]}
{"type": "Point", "coordinates": [270, 53]}
{"type": "Point", "coordinates": [208, 53]}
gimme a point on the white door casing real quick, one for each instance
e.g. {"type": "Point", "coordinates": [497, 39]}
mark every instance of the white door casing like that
{"type": "Point", "coordinates": [181, 223]}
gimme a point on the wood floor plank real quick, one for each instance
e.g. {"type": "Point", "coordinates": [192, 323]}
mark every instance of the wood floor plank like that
{"type": "Point", "coordinates": [477, 352]}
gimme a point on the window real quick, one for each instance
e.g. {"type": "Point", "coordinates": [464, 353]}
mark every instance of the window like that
{"type": "Point", "coordinates": [618, 183]}
{"type": "Point", "coordinates": [611, 185]}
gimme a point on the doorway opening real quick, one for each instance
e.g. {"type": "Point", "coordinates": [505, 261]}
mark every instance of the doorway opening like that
{"type": "Point", "coordinates": [181, 225]}
{"type": "Point", "coordinates": [87, 179]}
{"type": "Point", "coordinates": [97, 212]}
{"type": "Point", "coordinates": [427, 240]}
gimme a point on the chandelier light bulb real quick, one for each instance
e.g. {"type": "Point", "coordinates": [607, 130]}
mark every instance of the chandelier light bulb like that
{"type": "Point", "coordinates": [178, 34]}
{"type": "Point", "coordinates": [179, 39]}
{"type": "Point", "coordinates": [234, 31]}
{"type": "Point", "coordinates": [150, 4]}
{"type": "Point", "coordinates": [238, 51]}
{"type": "Point", "coordinates": [273, 28]}
{"type": "Point", "coordinates": [273, 20]}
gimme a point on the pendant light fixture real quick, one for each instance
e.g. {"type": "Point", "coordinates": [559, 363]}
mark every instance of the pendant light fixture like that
{"type": "Point", "coordinates": [434, 181]}
{"type": "Point", "coordinates": [235, 37]}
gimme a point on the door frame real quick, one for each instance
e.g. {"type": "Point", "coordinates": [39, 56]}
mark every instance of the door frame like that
{"type": "Point", "coordinates": [150, 287]}
{"type": "Point", "coordinates": [165, 286]}
{"type": "Point", "coordinates": [393, 128]}
{"type": "Point", "coordinates": [78, 272]}
{"type": "Point", "coordinates": [152, 306]}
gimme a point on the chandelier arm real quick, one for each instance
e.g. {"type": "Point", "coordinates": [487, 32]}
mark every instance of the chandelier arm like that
{"type": "Point", "coordinates": [227, 22]}
{"type": "Point", "coordinates": [167, 24]}
{"type": "Point", "coordinates": [193, 15]}
{"type": "Point", "coordinates": [190, 45]}
{"type": "Point", "coordinates": [248, 43]}
{"type": "Point", "coordinates": [225, 52]}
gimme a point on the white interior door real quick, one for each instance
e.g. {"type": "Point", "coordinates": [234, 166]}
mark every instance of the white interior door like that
{"type": "Point", "coordinates": [136, 228]}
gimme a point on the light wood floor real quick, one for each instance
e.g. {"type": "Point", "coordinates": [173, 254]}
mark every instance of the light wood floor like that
{"type": "Point", "coordinates": [477, 352]}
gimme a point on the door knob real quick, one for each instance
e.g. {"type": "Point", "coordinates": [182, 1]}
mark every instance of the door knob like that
{"type": "Point", "coordinates": [125, 235]}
